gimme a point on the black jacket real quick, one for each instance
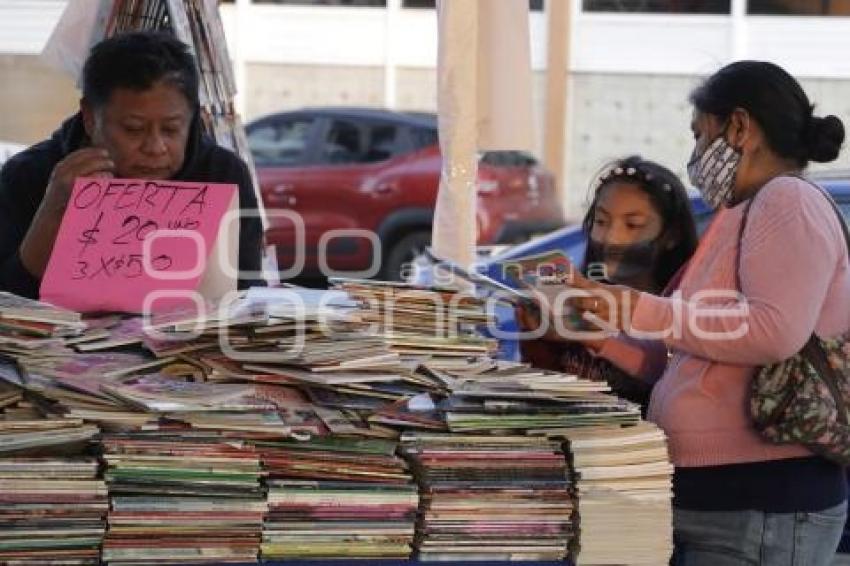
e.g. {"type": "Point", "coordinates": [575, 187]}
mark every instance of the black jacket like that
{"type": "Point", "coordinates": [24, 178]}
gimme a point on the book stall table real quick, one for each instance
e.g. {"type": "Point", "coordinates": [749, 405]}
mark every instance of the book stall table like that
{"type": "Point", "coordinates": [369, 425]}
{"type": "Point", "coordinates": [344, 562]}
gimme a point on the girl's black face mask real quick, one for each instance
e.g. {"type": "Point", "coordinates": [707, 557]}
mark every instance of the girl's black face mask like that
{"type": "Point", "coordinates": [635, 263]}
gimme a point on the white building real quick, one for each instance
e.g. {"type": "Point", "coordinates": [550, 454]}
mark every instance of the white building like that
{"type": "Point", "coordinates": [7, 150]}
{"type": "Point", "coordinates": [632, 63]}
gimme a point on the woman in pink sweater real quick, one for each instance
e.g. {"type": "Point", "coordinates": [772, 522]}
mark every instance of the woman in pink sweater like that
{"type": "Point", "coordinates": [739, 499]}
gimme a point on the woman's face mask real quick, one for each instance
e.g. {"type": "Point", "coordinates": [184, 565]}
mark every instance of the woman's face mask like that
{"type": "Point", "coordinates": [627, 264]}
{"type": "Point", "coordinates": [713, 171]}
{"type": "Point", "coordinates": [625, 239]}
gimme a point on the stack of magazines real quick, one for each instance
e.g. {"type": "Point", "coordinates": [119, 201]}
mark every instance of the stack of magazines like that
{"type": "Point", "coordinates": [490, 497]}
{"type": "Point", "coordinates": [624, 493]}
{"type": "Point", "coordinates": [41, 434]}
{"type": "Point", "coordinates": [30, 327]}
{"type": "Point", "coordinates": [182, 498]}
{"type": "Point", "coordinates": [315, 341]}
{"type": "Point", "coordinates": [52, 511]}
{"type": "Point", "coordinates": [337, 498]}
{"type": "Point", "coordinates": [423, 323]}
{"type": "Point", "coordinates": [516, 397]}
{"type": "Point", "coordinates": [310, 391]}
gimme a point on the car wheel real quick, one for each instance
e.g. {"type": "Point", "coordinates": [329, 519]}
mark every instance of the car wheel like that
{"type": "Point", "coordinates": [398, 263]}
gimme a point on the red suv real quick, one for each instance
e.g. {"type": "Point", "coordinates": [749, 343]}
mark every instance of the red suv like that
{"type": "Point", "coordinates": [360, 176]}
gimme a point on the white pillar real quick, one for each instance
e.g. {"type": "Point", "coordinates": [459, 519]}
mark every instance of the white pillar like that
{"type": "Point", "coordinates": [740, 37]}
{"type": "Point", "coordinates": [391, 24]}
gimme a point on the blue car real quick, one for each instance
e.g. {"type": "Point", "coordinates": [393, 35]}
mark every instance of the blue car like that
{"type": "Point", "coordinates": [572, 241]}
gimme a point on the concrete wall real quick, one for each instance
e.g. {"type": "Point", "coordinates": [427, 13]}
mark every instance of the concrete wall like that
{"type": "Point", "coordinates": [416, 89]}
{"type": "Point", "coordinates": [611, 114]}
{"type": "Point", "coordinates": [34, 98]}
{"type": "Point", "coordinates": [273, 87]}
{"type": "Point", "coordinates": [631, 73]}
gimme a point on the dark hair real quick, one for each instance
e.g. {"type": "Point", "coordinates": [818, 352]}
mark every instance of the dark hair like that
{"type": "Point", "coordinates": [670, 199]}
{"type": "Point", "coordinates": [136, 61]}
{"type": "Point", "coordinates": [780, 106]}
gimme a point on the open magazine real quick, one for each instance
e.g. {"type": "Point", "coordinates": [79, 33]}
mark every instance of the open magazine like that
{"type": "Point", "coordinates": [495, 288]}
{"type": "Point", "coordinates": [548, 276]}
{"type": "Point", "coordinates": [535, 280]}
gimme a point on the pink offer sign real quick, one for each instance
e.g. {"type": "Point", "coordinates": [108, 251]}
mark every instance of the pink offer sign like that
{"type": "Point", "coordinates": [123, 239]}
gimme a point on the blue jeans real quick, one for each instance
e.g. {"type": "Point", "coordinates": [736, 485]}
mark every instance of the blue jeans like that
{"type": "Point", "coordinates": [755, 538]}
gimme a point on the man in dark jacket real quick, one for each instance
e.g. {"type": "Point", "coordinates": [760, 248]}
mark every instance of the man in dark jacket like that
{"type": "Point", "coordinates": [139, 118]}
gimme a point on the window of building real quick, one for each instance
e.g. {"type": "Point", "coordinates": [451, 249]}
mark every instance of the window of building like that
{"type": "Point", "coordinates": [659, 6]}
{"type": "Point", "coordinates": [799, 7]}
{"type": "Point", "coordinates": [354, 3]}
{"type": "Point", "coordinates": [536, 5]}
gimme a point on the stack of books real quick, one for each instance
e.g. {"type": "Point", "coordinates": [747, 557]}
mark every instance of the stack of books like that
{"type": "Point", "coordinates": [45, 356]}
{"type": "Point", "coordinates": [310, 340]}
{"type": "Point", "coordinates": [312, 390]}
{"type": "Point", "coordinates": [10, 395]}
{"type": "Point", "coordinates": [52, 511]}
{"type": "Point", "coordinates": [623, 479]}
{"type": "Point", "coordinates": [33, 433]}
{"type": "Point", "coordinates": [70, 385]}
{"type": "Point", "coordinates": [271, 333]}
{"type": "Point", "coordinates": [490, 497]}
{"type": "Point", "coordinates": [28, 326]}
{"type": "Point", "coordinates": [52, 506]}
{"type": "Point", "coordinates": [234, 410]}
{"type": "Point", "coordinates": [423, 323]}
{"type": "Point", "coordinates": [337, 498]}
{"type": "Point", "coordinates": [516, 397]}
{"type": "Point", "coordinates": [187, 497]}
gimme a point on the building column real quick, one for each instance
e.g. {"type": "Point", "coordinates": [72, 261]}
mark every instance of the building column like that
{"type": "Point", "coordinates": [243, 7]}
{"type": "Point", "coordinates": [390, 76]}
{"type": "Point", "coordinates": [558, 16]}
{"type": "Point", "coordinates": [740, 37]}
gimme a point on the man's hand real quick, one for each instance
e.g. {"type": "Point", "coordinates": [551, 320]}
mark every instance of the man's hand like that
{"type": "Point", "coordinates": [86, 162]}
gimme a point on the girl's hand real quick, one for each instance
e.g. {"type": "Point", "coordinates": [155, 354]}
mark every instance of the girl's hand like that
{"type": "Point", "coordinates": [534, 314]}
{"type": "Point", "coordinates": [609, 306]}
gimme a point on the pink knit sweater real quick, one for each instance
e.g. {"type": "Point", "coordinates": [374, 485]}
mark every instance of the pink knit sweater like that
{"type": "Point", "coordinates": [796, 279]}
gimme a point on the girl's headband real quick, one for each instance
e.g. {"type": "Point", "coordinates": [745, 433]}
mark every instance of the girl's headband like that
{"type": "Point", "coordinates": [619, 171]}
